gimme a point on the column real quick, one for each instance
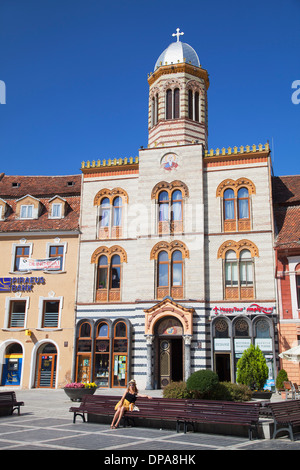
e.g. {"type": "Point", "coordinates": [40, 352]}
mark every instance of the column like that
{"type": "Point", "coordinates": [187, 356]}
{"type": "Point", "coordinates": [149, 341]}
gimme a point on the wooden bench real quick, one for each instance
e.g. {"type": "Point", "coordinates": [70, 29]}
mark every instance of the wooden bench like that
{"type": "Point", "coordinates": [180, 411]}
{"type": "Point", "coordinates": [222, 412]}
{"type": "Point", "coordinates": [286, 415]}
{"type": "Point", "coordinates": [9, 403]}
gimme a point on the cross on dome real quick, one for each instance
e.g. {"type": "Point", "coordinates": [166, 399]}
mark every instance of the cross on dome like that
{"type": "Point", "coordinates": [177, 34]}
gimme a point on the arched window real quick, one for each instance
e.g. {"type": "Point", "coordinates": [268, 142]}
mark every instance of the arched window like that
{"type": "Point", "coordinates": [177, 269]}
{"type": "Point", "coordinates": [236, 196]}
{"type": "Point", "coordinates": [163, 269]}
{"type": "Point", "coordinates": [229, 212]}
{"type": "Point", "coordinates": [109, 274]}
{"type": "Point", "coordinates": [298, 285]}
{"type": "Point", "coordinates": [238, 273]}
{"type": "Point", "coordinates": [194, 105]}
{"type": "Point", "coordinates": [241, 328]}
{"type": "Point", "coordinates": [154, 110]}
{"type": "Point", "coordinates": [170, 211]}
{"type": "Point", "coordinates": [243, 203]}
{"type": "Point", "coordinates": [172, 103]}
{"type": "Point", "coordinates": [117, 211]}
{"type": "Point", "coordinates": [170, 274]}
{"type": "Point", "coordinates": [105, 212]}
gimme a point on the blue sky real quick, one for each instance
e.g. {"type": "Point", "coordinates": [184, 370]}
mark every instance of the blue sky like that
{"type": "Point", "coordinates": [76, 77]}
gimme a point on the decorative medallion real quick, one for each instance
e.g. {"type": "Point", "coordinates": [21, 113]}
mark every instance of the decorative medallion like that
{"type": "Point", "coordinates": [169, 162]}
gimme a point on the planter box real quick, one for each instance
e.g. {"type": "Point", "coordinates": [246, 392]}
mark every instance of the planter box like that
{"type": "Point", "coordinates": [76, 394]}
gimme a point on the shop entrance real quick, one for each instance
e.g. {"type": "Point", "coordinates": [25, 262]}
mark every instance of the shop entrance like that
{"type": "Point", "coordinates": [169, 356]}
{"type": "Point", "coordinates": [222, 367]}
{"type": "Point", "coordinates": [46, 366]}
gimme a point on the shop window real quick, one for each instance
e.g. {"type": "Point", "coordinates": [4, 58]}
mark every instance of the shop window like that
{"type": "Point", "coordinates": [120, 355]}
{"type": "Point", "coordinates": [102, 352]}
{"type": "Point", "coordinates": [84, 349]}
{"type": "Point", "coordinates": [236, 207]}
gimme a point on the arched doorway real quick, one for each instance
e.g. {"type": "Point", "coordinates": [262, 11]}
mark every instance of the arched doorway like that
{"type": "Point", "coordinates": [12, 367]}
{"type": "Point", "coordinates": [169, 351]}
{"type": "Point", "coordinates": [46, 366]}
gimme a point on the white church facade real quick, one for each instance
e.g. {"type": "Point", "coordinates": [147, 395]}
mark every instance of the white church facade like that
{"type": "Point", "coordinates": [176, 261]}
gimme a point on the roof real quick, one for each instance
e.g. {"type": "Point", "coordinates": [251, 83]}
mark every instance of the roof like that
{"type": "Point", "coordinates": [178, 52]}
{"type": "Point", "coordinates": [286, 200]}
{"type": "Point", "coordinates": [43, 188]}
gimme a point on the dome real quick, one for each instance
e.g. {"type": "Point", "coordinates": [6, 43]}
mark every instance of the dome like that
{"type": "Point", "coordinates": [178, 52]}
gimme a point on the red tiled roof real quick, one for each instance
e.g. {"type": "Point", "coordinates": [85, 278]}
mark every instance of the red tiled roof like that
{"type": "Point", "coordinates": [286, 200]}
{"type": "Point", "coordinates": [43, 188]}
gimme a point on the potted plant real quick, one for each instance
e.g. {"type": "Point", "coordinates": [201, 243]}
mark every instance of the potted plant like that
{"type": "Point", "coordinates": [76, 390]}
{"type": "Point", "coordinates": [252, 370]}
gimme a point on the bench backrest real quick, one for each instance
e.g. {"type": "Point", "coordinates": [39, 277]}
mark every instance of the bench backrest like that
{"type": "Point", "coordinates": [283, 409]}
{"type": "Point", "coordinates": [288, 385]}
{"type": "Point", "coordinates": [7, 397]}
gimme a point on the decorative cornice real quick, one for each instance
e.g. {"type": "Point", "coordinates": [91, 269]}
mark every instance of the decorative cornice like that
{"type": "Point", "coordinates": [105, 165]}
{"type": "Point", "coordinates": [237, 247]}
{"type": "Point", "coordinates": [179, 68]}
{"type": "Point", "coordinates": [232, 151]}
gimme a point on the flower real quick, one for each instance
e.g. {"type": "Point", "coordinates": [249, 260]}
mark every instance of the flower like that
{"type": "Point", "coordinates": [81, 385]}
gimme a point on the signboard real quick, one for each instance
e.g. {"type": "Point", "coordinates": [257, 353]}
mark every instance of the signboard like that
{"type": "Point", "coordinates": [222, 344]}
{"type": "Point", "coordinates": [253, 308]}
{"type": "Point", "coordinates": [241, 344]}
{"type": "Point", "coordinates": [20, 284]}
{"type": "Point", "coordinates": [29, 264]}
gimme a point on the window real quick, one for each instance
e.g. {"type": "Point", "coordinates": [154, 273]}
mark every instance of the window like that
{"type": "Point", "coordinates": [57, 251]}
{"type": "Point", "coordinates": [194, 105]}
{"type": "Point", "coordinates": [20, 252]}
{"type": "Point", "coordinates": [170, 215]}
{"type": "Point", "coordinates": [236, 208]}
{"type": "Point", "coordinates": [298, 290]}
{"type": "Point", "coordinates": [172, 103]}
{"type": "Point", "coordinates": [238, 270]}
{"type": "Point", "coordinates": [109, 273]}
{"type": "Point", "coordinates": [51, 309]}
{"type": "Point", "coordinates": [154, 110]}
{"type": "Point", "coordinates": [169, 268]}
{"type": "Point", "coordinates": [17, 313]}
{"type": "Point", "coordinates": [26, 211]}
{"type": "Point", "coordinates": [56, 211]}
{"type": "Point", "coordinates": [111, 212]}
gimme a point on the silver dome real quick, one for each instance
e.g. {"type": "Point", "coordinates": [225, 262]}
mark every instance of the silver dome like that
{"type": "Point", "coordinates": [178, 52]}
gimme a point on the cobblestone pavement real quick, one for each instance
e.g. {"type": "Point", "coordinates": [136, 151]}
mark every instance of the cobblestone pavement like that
{"type": "Point", "coordinates": [45, 423]}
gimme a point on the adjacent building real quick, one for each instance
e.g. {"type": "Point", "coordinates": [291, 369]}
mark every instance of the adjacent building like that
{"type": "Point", "coordinates": [176, 261]}
{"type": "Point", "coordinates": [286, 194]}
{"type": "Point", "coordinates": [39, 238]}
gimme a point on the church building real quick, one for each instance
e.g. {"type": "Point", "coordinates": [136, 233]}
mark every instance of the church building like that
{"type": "Point", "coordinates": [176, 261]}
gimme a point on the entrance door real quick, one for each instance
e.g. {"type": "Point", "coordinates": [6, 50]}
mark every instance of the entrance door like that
{"type": "Point", "coordinates": [12, 367]}
{"type": "Point", "coordinates": [46, 366]}
{"type": "Point", "coordinates": [83, 368]}
{"type": "Point", "coordinates": [222, 367]}
{"type": "Point", "coordinates": [171, 361]}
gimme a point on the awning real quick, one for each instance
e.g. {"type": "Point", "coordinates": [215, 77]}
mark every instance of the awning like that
{"type": "Point", "coordinates": [292, 354]}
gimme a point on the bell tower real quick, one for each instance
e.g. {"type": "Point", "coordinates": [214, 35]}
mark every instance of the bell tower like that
{"type": "Point", "coordinates": [177, 98]}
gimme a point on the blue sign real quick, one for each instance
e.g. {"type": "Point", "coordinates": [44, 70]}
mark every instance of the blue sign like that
{"type": "Point", "coordinates": [5, 284]}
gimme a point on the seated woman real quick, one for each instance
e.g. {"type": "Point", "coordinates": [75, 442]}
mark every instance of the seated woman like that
{"type": "Point", "coordinates": [126, 403]}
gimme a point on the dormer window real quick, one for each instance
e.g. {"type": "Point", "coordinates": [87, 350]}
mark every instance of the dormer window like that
{"type": "Point", "coordinates": [56, 211]}
{"type": "Point", "coordinates": [3, 209]}
{"type": "Point", "coordinates": [26, 211]}
{"type": "Point", "coordinates": [57, 208]}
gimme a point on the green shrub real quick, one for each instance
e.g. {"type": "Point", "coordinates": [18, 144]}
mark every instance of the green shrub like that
{"type": "Point", "coordinates": [252, 369]}
{"type": "Point", "coordinates": [176, 390]}
{"type": "Point", "coordinates": [237, 392]}
{"type": "Point", "coordinates": [202, 384]}
{"type": "Point", "coordinates": [281, 377]}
